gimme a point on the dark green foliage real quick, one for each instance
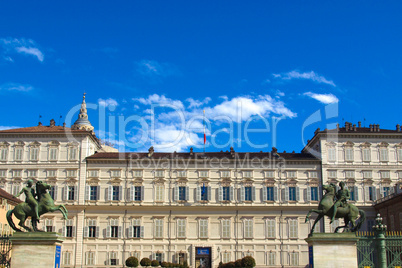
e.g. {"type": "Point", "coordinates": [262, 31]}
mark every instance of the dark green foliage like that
{"type": "Point", "coordinates": [145, 262]}
{"type": "Point", "coordinates": [238, 263]}
{"type": "Point", "coordinates": [132, 262]}
{"type": "Point", "coordinates": [230, 265]}
{"type": "Point", "coordinates": [154, 263]}
{"type": "Point", "coordinates": [220, 265]}
{"type": "Point", "coordinates": [185, 264]}
{"type": "Point", "coordinates": [164, 264]}
{"type": "Point", "coordinates": [248, 262]}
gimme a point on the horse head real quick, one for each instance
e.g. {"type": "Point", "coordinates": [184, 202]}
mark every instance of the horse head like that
{"type": "Point", "coordinates": [41, 187]}
{"type": "Point", "coordinates": [329, 189]}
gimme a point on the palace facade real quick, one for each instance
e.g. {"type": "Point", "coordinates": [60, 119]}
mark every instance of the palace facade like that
{"type": "Point", "coordinates": [199, 208]}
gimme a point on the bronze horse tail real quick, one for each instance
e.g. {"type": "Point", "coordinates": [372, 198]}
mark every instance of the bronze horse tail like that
{"type": "Point", "coordinates": [361, 220]}
{"type": "Point", "coordinates": [10, 219]}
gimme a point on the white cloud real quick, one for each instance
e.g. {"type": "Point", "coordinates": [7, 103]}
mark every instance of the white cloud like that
{"type": "Point", "coordinates": [161, 100]}
{"type": "Point", "coordinates": [16, 87]}
{"type": "Point", "coordinates": [20, 46]}
{"type": "Point", "coordinates": [108, 102]}
{"type": "Point", "coordinates": [8, 127]}
{"type": "Point", "coordinates": [152, 68]}
{"type": "Point", "coordinates": [197, 103]}
{"type": "Point", "coordinates": [323, 98]}
{"type": "Point", "coordinates": [306, 75]}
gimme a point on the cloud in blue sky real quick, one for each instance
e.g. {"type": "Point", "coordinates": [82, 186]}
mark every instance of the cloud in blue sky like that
{"type": "Point", "coordinates": [20, 46]}
{"type": "Point", "coordinates": [152, 68]}
{"type": "Point", "coordinates": [16, 87]}
{"type": "Point", "coordinates": [323, 98]}
{"type": "Point", "coordinates": [306, 75]}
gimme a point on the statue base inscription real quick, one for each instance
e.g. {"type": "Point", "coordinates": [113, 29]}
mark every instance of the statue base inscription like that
{"type": "Point", "coordinates": [36, 249]}
{"type": "Point", "coordinates": [337, 250]}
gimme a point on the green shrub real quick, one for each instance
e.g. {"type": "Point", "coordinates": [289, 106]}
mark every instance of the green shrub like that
{"type": "Point", "coordinates": [145, 262]}
{"type": "Point", "coordinates": [154, 263]}
{"type": "Point", "coordinates": [164, 264]}
{"type": "Point", "coordinates": [238, 263]}
{"type": "Point", "coordinates": [220, 265]}
{"type": "Point", "coordinates": [132, 262]}
{"type": "Point", "coordinates": [230, 265]}
{"type": "Point", "coordinates": [185, 264]}
{"type": "Point", "coordinates": [248, 262]}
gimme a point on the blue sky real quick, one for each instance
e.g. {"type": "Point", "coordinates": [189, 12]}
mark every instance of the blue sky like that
{"type": "Point", "coordinates": [244, 63]}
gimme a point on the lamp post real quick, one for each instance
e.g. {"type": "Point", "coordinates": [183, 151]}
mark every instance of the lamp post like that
{"type": "Point", "coordinates": [380, 230]}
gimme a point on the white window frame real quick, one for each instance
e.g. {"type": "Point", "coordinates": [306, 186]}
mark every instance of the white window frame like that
{"type": "Point", "coordinates": [34, 153]}
{"type": "Point", "coordinates": [72, 153]}
{"type": "Point", "coordinates": [159, 193]}
{"type": "Point", "coordinates": [270, 227]}
{"type": "Point", "coordinates": [293, 228]}
{"type": "Point", "coordinates": [19, 153]}
{"type": "Point", "coordinates": [225, 174]}
{"type": "Point", "coordinates": [3, 154]}
{"type": "Point", "coordinates": [248, 228]}
{"type": "Point", "coordinates": [181, 228]}
{"type": "Point", "coordinates": [291, 174]}
{"type": "Point", "coordinates": [225, 228]}
{"type": "Point", "coordinates": [294, 258]}
{"type": "Point", "coordinates": [349, 174]}
{"type": "Point", "coordinates": [3, 173]}
{"type": "Point", "coordinates": [137, 173]}
{"type": "Point", "coordinates": [349, 154]}
{"type": "Point", "coordinates": [203, 173]}
{"type": "Point", "coordinates": [384, 154]}
{"type": "Point", "coordinates": [366, 154]}
{"type": "Point", "coordinates": [331, 154]}
{"type": "Point", "coordinates": [271, 258]}
{"type": "Point", "coordinates": [269, 174]}
{"type": "Point", "coordinates": [158, 228]}
{"type": "Point", "coordinates": [159, 173]}
{"type": "Point", "coordinates": [203, 228]}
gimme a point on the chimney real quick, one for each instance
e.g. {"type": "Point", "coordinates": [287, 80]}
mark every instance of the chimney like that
{"type": "Point", "coordinates": [64, 125]}
{"type": "Point", "coordinates": [378, 128]}
{"type": "Point", "coordinates": [354, 127]}
{"type": "Point", "coordinates": [398, 128]}
{"type": "Point", "coordinates": [316, 131]}
{"type": "Point", "coordinates": [371, 128]}
{"type": "Point", "coordinates": [191, 151]}
{"type": "Point", "coordinates": [150, 151]}
{"type": "Point", "coordinates": [52, 123]}
{"type": "Point", "coordinates": [337, 126]}
{"type": "Point", "coordinates": [232, 151]}
{"type": "Point", "coordinates": [346, 126]}
{"type": "Point", "coordinates": [39, 124]}
{"type": "Point", "coordinates": [359, 124]}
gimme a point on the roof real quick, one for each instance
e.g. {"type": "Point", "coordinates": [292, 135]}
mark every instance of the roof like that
{"type": "Point", "coordinates": [8, 196]}
{"type": "Point", "coordinates": [208, 155]}
{"type": "Point", "coordinates": [359, 130]}
{"type": "Point", "coordinates": [43, 129]}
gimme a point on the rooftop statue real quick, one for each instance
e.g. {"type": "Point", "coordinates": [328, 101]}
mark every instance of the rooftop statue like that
{"type": "Point", "coordinates": [36, 204]}
{"type": "Point", "coordinates": [334, 205]}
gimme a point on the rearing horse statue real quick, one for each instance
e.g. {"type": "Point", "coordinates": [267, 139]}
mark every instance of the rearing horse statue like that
{"type": "Point", "coordinates": [45, 204]}
{"type": "Point", "coordinates": [350, 213]}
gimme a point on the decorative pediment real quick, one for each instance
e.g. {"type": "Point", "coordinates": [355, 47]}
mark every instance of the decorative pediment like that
{"type": "Point", "coordinates": [248, 180]}
{"type": "Point", "coordinates": [331, 144]}
{"type": "Point", "coordinates": [93, 181]}
{"type": "Point", "coordinates": [291, 181]}
{"type": "Point", "coordinates": [51, 181]}
{"type": "Point", "coordinates": [269, 181]}
{"type": "Point", "coordinates": [159, 181]}
{"type": "Point", "coordinates": [34, 144]}
{"type": "Point", "coordinates": [386, 181]}
{"type": "Point", "coordinates": [383, 144]}
{"type": "Point", "coordinates": [138, 181]}
{"type": "Point", "coordinates": [351, 181]}
{"type": "Point", "coordinates": [365, 144]}
{"type": "Point", "coordinates": [4, 144]}
{"type": "Point", "coordinates": [348, 144]}
{"type": "Point", "coordinates": [54, 143]}
{"type": "Point", "coordinates": [368, 181]}
{"type": "Point", "coordinates": [313, 181]}
{"type": "Point", "coordinates": [203, 180]}
{"type": "Point", "coordinates": [73, 144]}
{"type": "Point", "coordinates": [19, 143]}
{"type": "Point", "coordinates": [71, 181]}
{"type": "Point", "coordinates": [399, 145]}
{"type": "Point", "coordinates": [115, 181]}
{"type": "Point", "coordinates": [182, 180]}
{"type": "Point", "coordinates": [17, 180]}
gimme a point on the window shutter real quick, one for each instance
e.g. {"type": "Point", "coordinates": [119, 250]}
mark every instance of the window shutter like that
{"type": "Point", "coordinates": [73, 231]}
{"type": "Point", "coordinates": [55, 192]}
{"type": "Point", "coordinates": [242, 194]}
{"type": "Point", "coordinates": [131, 198]}
{"type": "Point", "coordinates": [120, 232]}
{"type": "Point", "coordinates": [264, 193]}
{"type": "Point", "coordinates": [153, 256]}
{"type": "Point", "coordinates": [86, 231]}
{"type": "Point", "coordinates": [220, 194]}
{"type": "Point", "coordinates": [297, 194]}
{"type": "Point", "coordinates": [391, 189]}
{"type": "Point", "coordinates": [356, 191]}
{"type": "Point", "coordinates": [109, 192]}
{"type": "Point", "coordinates": [374, 193]}
{"type": "Point", "coordinates": [120, 193]}
{"type": "Point", "coordinates": [108, 231]}
{"type": "Point", "coordinates": [275, 193]}
{"type": "Point", "coordinates": [87, 189]}
{"type": "Point", "coordinates": [163, 257]}
{"type": "Point", "coordinates": [141, 231]}
{"type": "Point", "coordinates": [142, 193]}
{"type": "Point", "coordinates": [97, 192]}
{"type": "Point", "coordinates": [286, 194]}
{"type": "Point", "coordinates": [209, 193]}
{"type": "Point", "coordinates": [253, 193]}
{"type": "Point", "coordinates": [308, 196]}
{"type": "Point", "coordinates": [64, 230]}
{"type": "Point", "coordinates": [187, 193]}
{"type": "Point", "coordinates": [97, 231]}
{"type": "Point", "coordinates": [231, 194]}
{"type": "Point", "coordinates": [176, 193]}
{"type": "Point", "coordinates": [65, 193]}
{"type": "Point", "coordinates": [75, 193]}
{"type": "Point", "coordinates": [130, 231]}
{"type": "Point", "coordinates": [198, 194]}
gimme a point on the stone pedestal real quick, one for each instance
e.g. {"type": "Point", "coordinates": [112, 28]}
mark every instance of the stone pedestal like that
{"type": "Point", "coordinates": [36, 249]}
{"type": "Point", "coordinates": [332, 250]}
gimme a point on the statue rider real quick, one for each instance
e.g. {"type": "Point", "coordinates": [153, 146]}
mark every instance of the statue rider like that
{"type": "Point", "coordinates": [30, 195]}
{"type": "Point", "coordinates": [342, 197]}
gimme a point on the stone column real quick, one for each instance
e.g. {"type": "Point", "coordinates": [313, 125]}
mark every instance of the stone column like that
{"type": "Point", "coordinates": [36, 249]}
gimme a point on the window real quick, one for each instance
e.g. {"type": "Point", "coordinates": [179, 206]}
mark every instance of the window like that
{"type": "Point", "coordinates": [72, 153]}
{"type": "Point", "coordinates": [331, 174]}
{"type": "Point", "coordinates": [248, 228]}
{"type": "Point", "coordinates": [271, 224]}
{"type": "Point", "coordinates": [366, 154]}
{"type": "Point", "coordinates": [294, 258]}
{"type": "Point", "coordinates": [113, 230]}
{"type": "Point", "coordinates": [203, 174]}
{"type": "Point", "coordinates": [32, 173]}
{"type": "Point", "coordinates": [272, 194]}
{"type": "Point", "coordinates": [158, 228]}
{"type": "Point", "coordinates": [271, 258]}
{"type": "Point", "coordinates": [52, 173]}
{"type": "Point", "coordinates": [48, 227]}
{"type": "Point", "coordinates": [34, 154]}
{"type": "Point", "coordinates": [293, 226]}
{"type": "Point", "coordinates": [137, 173]}
{"type": "Point", "coordinates": [67, 258]}
{"type": "Point", "coordinates": [53, 152]}
{"type": "Point", "coordinates": [385, 191]}
{"type": "Point", "coordinates": [3, 154]}
{"type": "Point", "coordinates": [71, 173]}
{"type": "Point", "coordinates": [135, 254]}
{"type": "Point", "coordinates": [136, 230]}
{"type": "Point", "coordinates": [93, 192]}
{"type": "Point", "coordinates": [247, 174]}
{"type": "Point", "coordinates": [331, 154]}
{"type": "Point", "coordinates": [226, 257]}
{"type": "Point", "coordinates": [225, 193]}
{"type": "Point", "coordinates": [138, 193]}
{"type": "Point", "coordinates": [334, 225]}
{"type": "Point", "coordinates": [348, 154]}
{"type": "Point", "coordinates": [353, 193]}
{"type": "Point", "coordinates": [383, 154]}
{"type": "Point", "coordinates": [159, 189]}
{"type": "Point", "coordinates": [70, 193]}
{"type": "Point", "coordinates": [313, 174]}
{"type": "Point", "coordinates": [181, 193]}
{"type": "Point", "coordinates": [203, 193]}
{"type": "Point", "coordinates": [69, 228]}
{"type": "Point", "coordinates": [203, 228]}
{"type": "Point", "coordinates": [17, 173]}
{"type": "Point", "coordinates": [399, 153]}
{"type": "Point", "coordinates": [15, 189]}
{"type": "Point", "coordinates": [115, 173]}
{"type": "Point", "coordinates": [367, 174]}
{"type": "Point", "coordinates": [225, 174]}
{"type": "Point", "coordinates": [291, 174]}
{"type": "Point", "coordinates": [384, 174]}
{"type": "Point", "coordinates": [115, 193]}
{"type": "Point", "coordinates": [349, 174]}
{"type": "Point", "coordinates": [3, 173]}
{"type": "Point", "coordinates": [269, 174]}
{"type": "Point", "coordinates": [181, 174]}
{"type": "Point", "coordinates": [313, 193]}
{"type": "Point", "coordinates": [247, 193]}
{"type": "Point", "coordinates": [18, 154]}
{"type": "Point", "coordinates": [91, 230]}
{"type": "Point", "coordinates": [158, 256]}
{"type": "Point", "coordinates": [182, 257]}
{"type": "Point", "coordinates": [93, 173]}
{"type": "Point", "coordinates": [90, 258]}
{"type": "Point", "coordinates": [292, 193]}
{"type": "Point", "coordinates": [53, 192]}
{"type": "Point", "coordinates": [159, 174]}
{"type": "Point", "coordinates": [181, 228]}
{"type": "Point", "coordinates": [113, 258]}
{"type": "Point", "coordinates": [370, 193]}
{"type": "Point", "coordinates": [225, 228]}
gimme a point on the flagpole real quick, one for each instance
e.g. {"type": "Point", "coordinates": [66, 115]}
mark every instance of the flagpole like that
{"type": "Point", "coordinates": [205, 137]}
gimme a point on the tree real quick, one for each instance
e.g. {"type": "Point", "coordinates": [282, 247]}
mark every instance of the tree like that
{"type": "Point", "coordinates": [145, 262]}
{"type": "Point", "coordinates": [154, 263]}
{"type": "Point", "coordinates": [248, 262]}
{"type": "Point", "coordinates": [238, 263]}
{"type": "Point", "coordinates": [132, 262]}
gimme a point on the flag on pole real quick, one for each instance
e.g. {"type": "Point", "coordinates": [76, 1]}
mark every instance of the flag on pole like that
{"type": "Point", "coordinates": [205, 136]}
